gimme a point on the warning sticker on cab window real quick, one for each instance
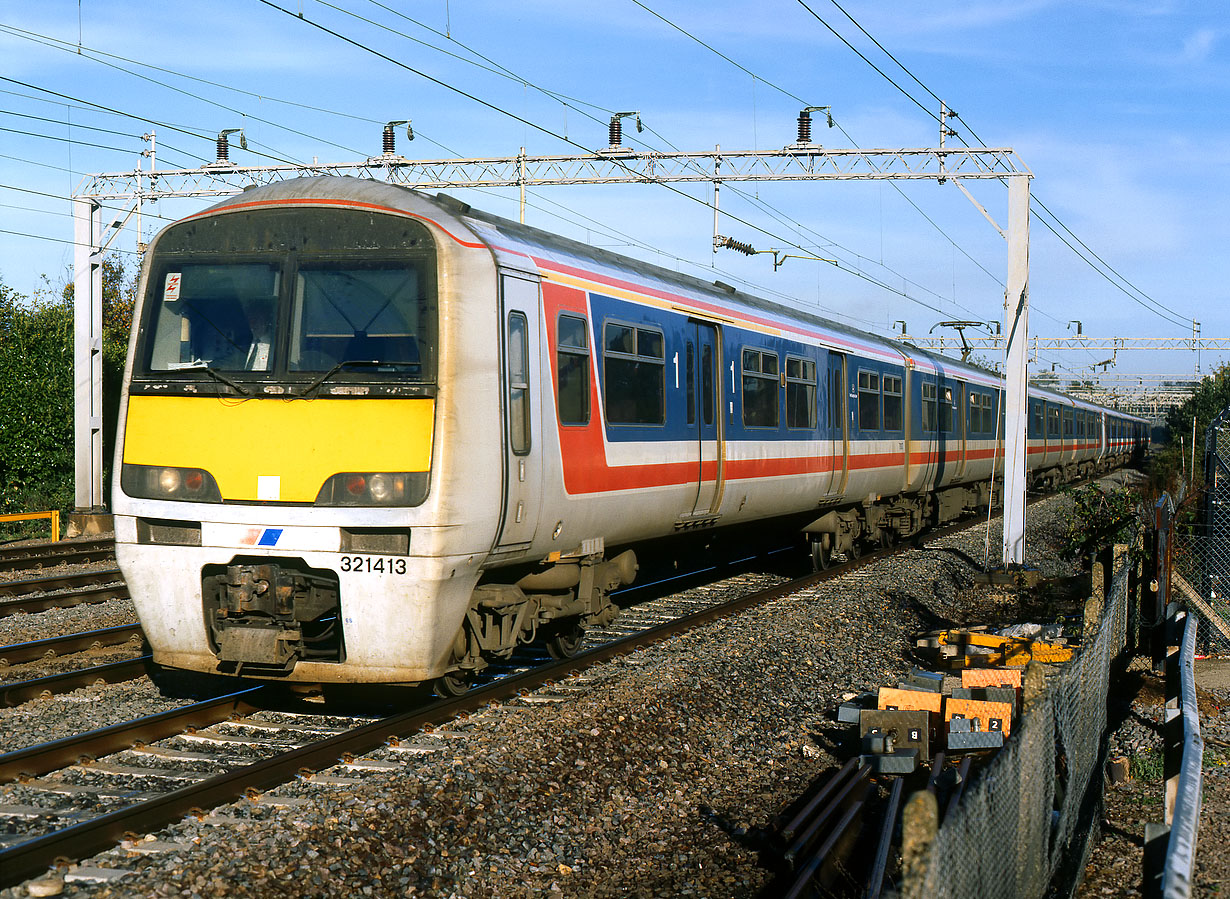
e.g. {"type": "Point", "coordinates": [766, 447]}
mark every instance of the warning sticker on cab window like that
{"type": "Point", "coordinates": [171, 292]}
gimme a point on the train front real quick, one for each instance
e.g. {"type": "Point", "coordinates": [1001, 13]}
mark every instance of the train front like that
{"type": "Point", "coordinates": [275, 508]}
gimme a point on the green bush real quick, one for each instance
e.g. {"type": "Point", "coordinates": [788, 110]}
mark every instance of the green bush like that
{"type": "Point", "coordinates": [36, 392]}
{"type": "Point", "coordinates": [36, 401]}
{"type": "Point", "coordinates": [1099, 517]}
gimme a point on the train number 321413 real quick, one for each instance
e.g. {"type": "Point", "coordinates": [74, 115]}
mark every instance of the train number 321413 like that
{"type": "Point", "coordinates": [377, 564]}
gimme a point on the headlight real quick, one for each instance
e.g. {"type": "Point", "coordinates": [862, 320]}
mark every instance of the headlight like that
{"type": "Point", "coordinates": [167, 482]}
{"type": "Point", "coordinates": [358, 488]}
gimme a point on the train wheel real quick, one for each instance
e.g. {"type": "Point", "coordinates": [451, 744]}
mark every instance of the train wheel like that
{"type": "Point", "coordinates": [888, 538]}
{"type": "Point", "coordinates": [565, 643]}
{"type": "Point", "coordinates": [451, 685]}
{"type": "Point", "coordinates": [821, 555]}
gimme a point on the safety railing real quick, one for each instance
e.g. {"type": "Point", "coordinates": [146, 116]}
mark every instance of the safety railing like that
{"type": "Point", "coordinates": [1170, 847]}
{"type": "Point", "coordinates": [53, 516]}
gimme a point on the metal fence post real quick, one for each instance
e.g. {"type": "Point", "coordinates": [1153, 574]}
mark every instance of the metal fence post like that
{"type": "Point", "coordinates": [919, 822]}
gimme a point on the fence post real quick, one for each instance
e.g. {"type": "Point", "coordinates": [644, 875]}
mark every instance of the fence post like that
{"type": "Point", "coordinates": [1136, 595]}
{"type": "Point", "coordinates": [1161, 581]}
{"type": "Point", "coordinates": [1172, 726]}
{"type": "Point", "coordinates": [919, 821]}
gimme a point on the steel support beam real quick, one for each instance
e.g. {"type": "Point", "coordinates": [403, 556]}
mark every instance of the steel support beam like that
{"type": "Point", "coordinates": [621, 166]}
{"type": "Point", "coordinates": [1094, 344]}
{"type": "Point", "coordinates": [87, 356]}
{"type": "Point", "coordinates": [1016, 365]}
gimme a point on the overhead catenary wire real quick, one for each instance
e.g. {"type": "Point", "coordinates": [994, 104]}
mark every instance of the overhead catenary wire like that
{"type": "Point", "coordinates": [1118, 280]}
{"type": "Point", "coordinates": [790, 94]}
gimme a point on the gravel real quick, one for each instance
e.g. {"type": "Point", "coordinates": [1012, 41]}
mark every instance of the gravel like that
{"type": "Point", "coordinates": [589, 788]}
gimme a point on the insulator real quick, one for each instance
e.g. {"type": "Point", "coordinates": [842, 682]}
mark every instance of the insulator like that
{"type": "Point", "coordinates": [389, 146]}
{"type": "Point", "coordinates": [616, 131]}
{"type": "Point", "coordinates": [805, 127]}
{"type": "Point", "coordinates": [738, 246]}
{"type": "Point", "coordinates": [224, 150]}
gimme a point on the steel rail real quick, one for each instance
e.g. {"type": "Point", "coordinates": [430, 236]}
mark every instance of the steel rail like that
{"type": "Point", "coordinates": [875, 882]}
{"type": "Point", "coordinates": [808, 869]}
{"type": "Point", "coordinates": [60, 582]}
{"type": "Point", "coordinates": [33, 761]}
{"type": "Point", "coordinates": [87, 596]}
{"type": "Point", "coordinates": [116, 672]}
{"type": "Point", "coordinates": [61, 552]}
{"type": "Point", "coordinates": [19, 653]}
{"type": "Point", "coordinates": [958, 790]}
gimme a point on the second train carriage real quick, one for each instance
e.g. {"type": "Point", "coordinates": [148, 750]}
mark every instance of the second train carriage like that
{"type": "Point", "coordinates": [368, 436]}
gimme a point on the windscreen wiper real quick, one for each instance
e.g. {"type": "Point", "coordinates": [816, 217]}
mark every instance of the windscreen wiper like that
{"type": "Point", "coordinates": [334, 370]}
{"type": "Point", "coordinates": [202, 365]}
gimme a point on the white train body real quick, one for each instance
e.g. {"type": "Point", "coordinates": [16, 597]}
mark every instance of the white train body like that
{"type": "Point", "coordinates": [371, 437]}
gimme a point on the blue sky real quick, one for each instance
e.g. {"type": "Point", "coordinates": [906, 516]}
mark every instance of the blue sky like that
{"type": "Point", "coordinates": [1115, 106]}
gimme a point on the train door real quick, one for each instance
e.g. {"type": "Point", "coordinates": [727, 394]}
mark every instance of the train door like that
{"type": "Point", "coordinates": [519, 302]}
{"type": "Point", "coordinates": [702, 365]}
{"type": "Point", "coordinates": [924, 452]}
{"type": "Point", "coordinates": [960, 425]}
{"type": "Point", "coordinates": [837, 434]}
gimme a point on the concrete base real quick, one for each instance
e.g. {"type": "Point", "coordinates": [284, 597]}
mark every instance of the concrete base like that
{"type": "Point", "coordinates": [89, 524]}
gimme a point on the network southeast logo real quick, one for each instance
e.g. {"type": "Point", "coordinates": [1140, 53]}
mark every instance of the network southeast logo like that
{"type": "Point", "coordinates": [262, 537]}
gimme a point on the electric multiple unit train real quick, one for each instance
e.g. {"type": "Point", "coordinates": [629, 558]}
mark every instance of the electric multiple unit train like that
{"type": "Point", "coordinates": [368, 436]}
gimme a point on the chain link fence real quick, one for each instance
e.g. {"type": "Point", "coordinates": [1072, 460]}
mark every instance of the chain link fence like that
{"type": "Point", "coordinates": [1026, 820]}
{"type": "Point", "coordinates": [1200, 550]}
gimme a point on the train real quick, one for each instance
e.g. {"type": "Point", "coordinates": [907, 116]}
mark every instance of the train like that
{"type": "Point", "coordinates": [372, 436]}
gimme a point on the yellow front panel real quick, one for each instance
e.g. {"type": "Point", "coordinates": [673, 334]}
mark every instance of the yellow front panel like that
{"type": "Point", "coordinates": [301, 442]}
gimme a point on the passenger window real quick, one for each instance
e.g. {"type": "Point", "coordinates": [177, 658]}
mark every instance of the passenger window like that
{"type": "Point", "coordinates": [800, 393]}
{"type": "Point", "coordinates": [868, 401]}
{"type": "Point", "coordinates": [975, 414]}
{"type": "Point", "coordinates": [706, 384]}
{"type": "Point", "coordinates": [689, 375]}
{"type": "Point", "coordinates": [518, 384]}
{"type": "Point", "coordinates": [760, 388]}
{"type": "Point", "coordinates": [837, 398]}
{"type": "Point", "coordinates": [928, 407]}
{"type": "Point", "coordinates": [635, 365]}
{"type": "Point", "coordinates": [893, 420]}
{"type": "Point", "coordinates": [945, 409]}
{"type": "Point", "coordinates": [572, 365]}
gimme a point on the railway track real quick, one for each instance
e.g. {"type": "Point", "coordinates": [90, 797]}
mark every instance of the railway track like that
{"type": "Point", "coordinates": [77, 838]}
{"type": "Point", "coordinates": [33, 595]}
{"type": "Point", "coordinates": [18, 691]}
{"type": "Point", "coordinates": [57, 582]}
{"type": "Point", "coordinates": [61, 552]}
{"type": "Point", "coordinates": [20, 653]}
